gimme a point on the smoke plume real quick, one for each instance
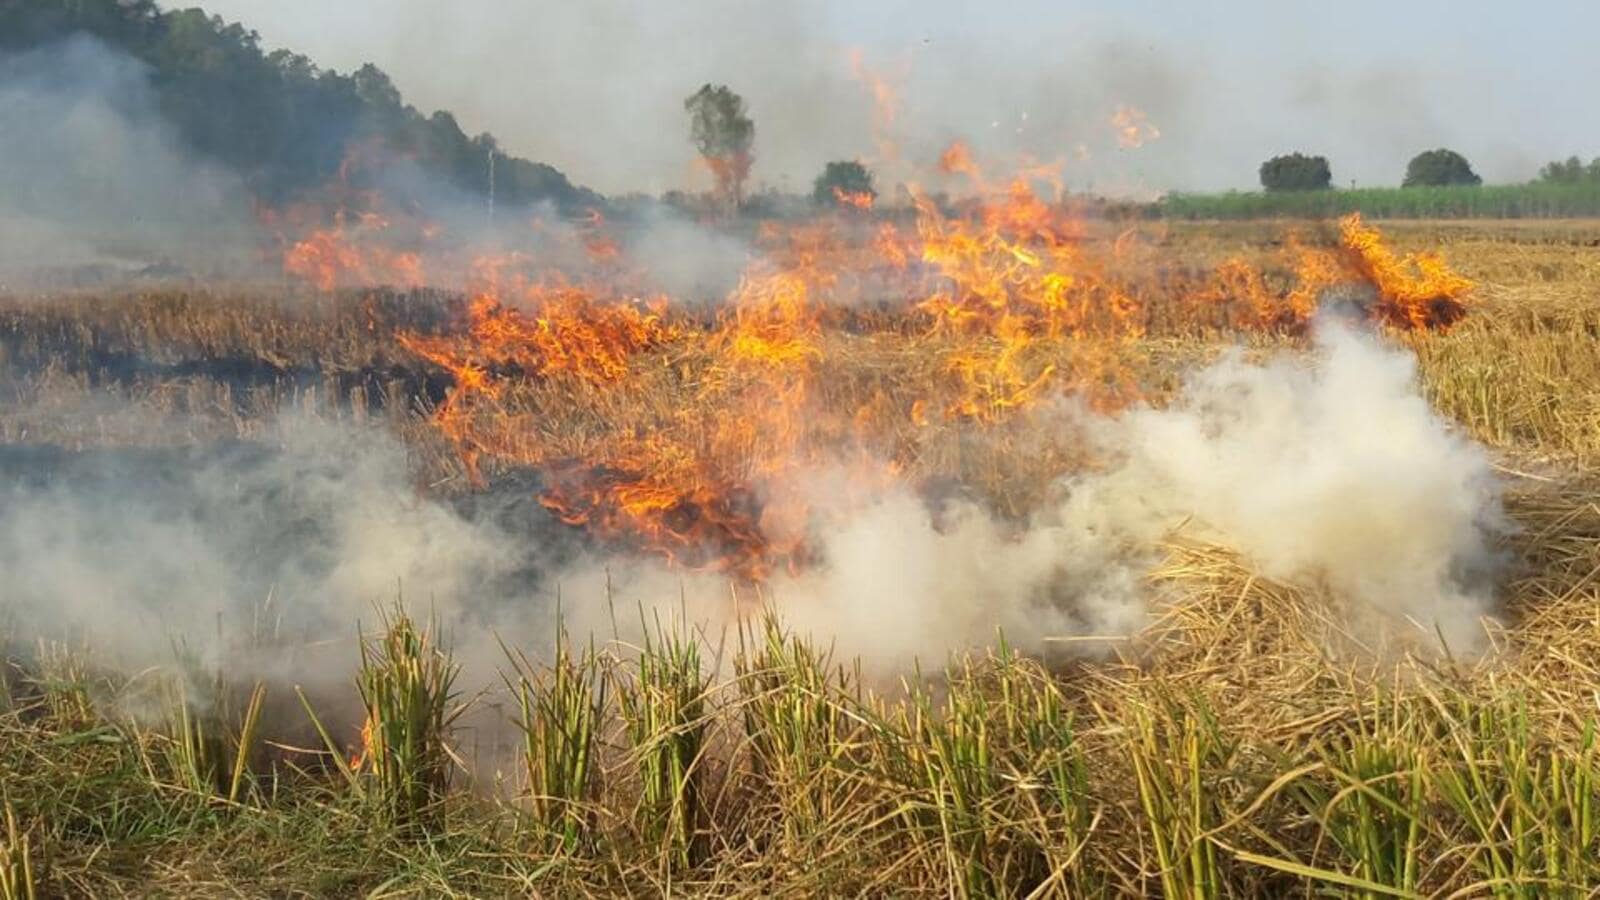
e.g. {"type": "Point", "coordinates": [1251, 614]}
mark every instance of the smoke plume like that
{"type": "Point", "coordinates": [1337, 474]}
{"type": "Point", "coordinates": [94, 175]}
{"type": "Point", "coordinates": [595, 89]}
{"type": "Point", "coordinates": [1330, 472]}
{"type": "Point", "coordinates": [251, 554]}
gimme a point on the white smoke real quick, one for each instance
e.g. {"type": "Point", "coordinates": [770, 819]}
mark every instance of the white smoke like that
{"type": "Point", "coordinates": [1330, 472]}
{"type": "Point", "coordinates": [1338, 474]}
{"type": "Point", "coordinates": [685, 259]}
{"type": "Point", "coordinates": [93, 174]}
{"type": "Point", "coordinates": [249, 555]}
{"type": "Point", "coordinates": [903, 585]}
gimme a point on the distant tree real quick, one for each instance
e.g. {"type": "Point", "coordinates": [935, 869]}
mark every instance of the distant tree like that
{"type": "Point", "coordinates": [1296, 172]}
{"type": "Point", "coordinates": [844, 183]}
{"type": "Point", "coordinates": [376, 90]}
{"type": "Point", "coordinates": [1570, 171]}
{"type": "Point", "coordinates": [724, 137]}
{"type": "Point", "coordinates": [1439, 168]}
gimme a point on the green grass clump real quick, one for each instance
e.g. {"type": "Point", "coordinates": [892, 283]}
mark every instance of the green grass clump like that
{"type": "Point", "coordinates": [63, 679]}
{"type": "Point", "coordinates": [404, 762]}
{"type": "Point", "coordinates": [1177, 749]}
{"type": "Point", "coordinates": [667, 716]}
{"type": "Point", "coordinates": [1528, 806]}
{"type": "Point", "coordinates": [559, 713]}
{"type": "Point", "coordinates": [795, 705]}
{"type": "Point", "coordinates": [1370, 802]}
{"type": "Point", "coordinates": [992, 781]}
{"type": "Point", "coordinates": [406, 684]}
{"type": "Point", "coordinates": [208, 754]}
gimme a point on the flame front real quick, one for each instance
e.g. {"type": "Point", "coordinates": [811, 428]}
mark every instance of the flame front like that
{"type": "Point", "coordinates": [346, 256]}
{"type": "Point", "coordinates": [697, 436]}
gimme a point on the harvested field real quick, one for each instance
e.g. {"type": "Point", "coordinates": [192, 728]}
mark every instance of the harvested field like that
{"type": "Point", "coordinates": [222, 482]}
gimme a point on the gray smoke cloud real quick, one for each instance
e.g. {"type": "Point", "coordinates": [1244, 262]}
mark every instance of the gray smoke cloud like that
{"type": "Point", "coordinates": [595, 88]}
{"type": "Point", "coordinates": [1330, 472]}
{"type": "Point", "coordinates": [96, 186]}
{"type": "Point", "coordinates": [252, 555]}
{"type": "Point", "coordinates": [91, 174]}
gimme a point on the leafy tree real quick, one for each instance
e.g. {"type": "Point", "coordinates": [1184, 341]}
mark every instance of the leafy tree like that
{"type": "Point", "coordinates": [376, 90]}
{"type": "Point", "coordinates": [1439, 168]}
{"type": "Point", "coordinates": [28, 23]}
{"type": "Point", "coordinates": [724, 136]}
{"type": "Point", "coordinates": [844, 183]}
{"type": "Point", "coordinates": [1296, 172]}
{"type": "Point", "coordinates": [1571, 171]}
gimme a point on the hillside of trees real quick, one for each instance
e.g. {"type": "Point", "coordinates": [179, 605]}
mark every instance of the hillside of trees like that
{"type": "Point", "coordinates": [278, 119]}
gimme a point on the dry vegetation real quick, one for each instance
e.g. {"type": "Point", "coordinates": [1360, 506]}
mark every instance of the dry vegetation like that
{"type": "Point", "coordinates": [1250, 742]}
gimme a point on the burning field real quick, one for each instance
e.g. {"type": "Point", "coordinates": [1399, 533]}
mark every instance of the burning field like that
{"type": "Point", "coordinates": [983, 542]}
{"type": "Point", "coordinates": [977, 547]}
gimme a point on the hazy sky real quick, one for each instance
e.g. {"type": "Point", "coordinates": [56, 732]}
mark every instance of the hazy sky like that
{"type": "Point", "coordinates": [595, 87]}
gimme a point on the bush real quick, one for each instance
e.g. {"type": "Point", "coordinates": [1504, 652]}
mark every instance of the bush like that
{"type": "Point", "coordinates": [1440, 168]}
{"type": "Point", "coordinates": [844, 182]}
{"type": "Point", "coordinates": [1296, 172]}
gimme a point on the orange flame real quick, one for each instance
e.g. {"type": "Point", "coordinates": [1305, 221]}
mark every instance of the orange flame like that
{"type": "Point", "coordinates": [1416, 292]}
{"type": "Point", "coordinates": [339, 257]}
{"type": "Point", "coordinates": [1010, 298]}
{"type": "Point", "coordinates": [957, 160]}
{"type": "Point", "coordinates": [363, 753]}
{"type": "Point", "coordinates": [1132, 127]}
{"type": "Point", "coordinates": [861, 200]}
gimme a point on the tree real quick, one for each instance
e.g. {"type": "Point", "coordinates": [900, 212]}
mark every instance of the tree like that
{"type": "Point", "coordinates": [376, 91]}
{"type": "Point", "coordinates": [1571, 171]}
{"type": "Point", "coordinates": [1439, 168]}
{"type": "Point", "coordinates": [723, 135]}
{"type": "Point", "coordinates": [844, 183]}
{"type": "Point", "coordinates": [1296, 172]}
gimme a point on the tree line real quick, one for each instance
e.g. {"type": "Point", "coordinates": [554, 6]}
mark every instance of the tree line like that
{"type": "Point", "coordinates": [289, 126]}
{"type": "Point", "coordinates": [1438, 183]}
{"type": "Point", "coordinates": [1431, 168]}
{"type": "Point", "coordinates": [277, 118]}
